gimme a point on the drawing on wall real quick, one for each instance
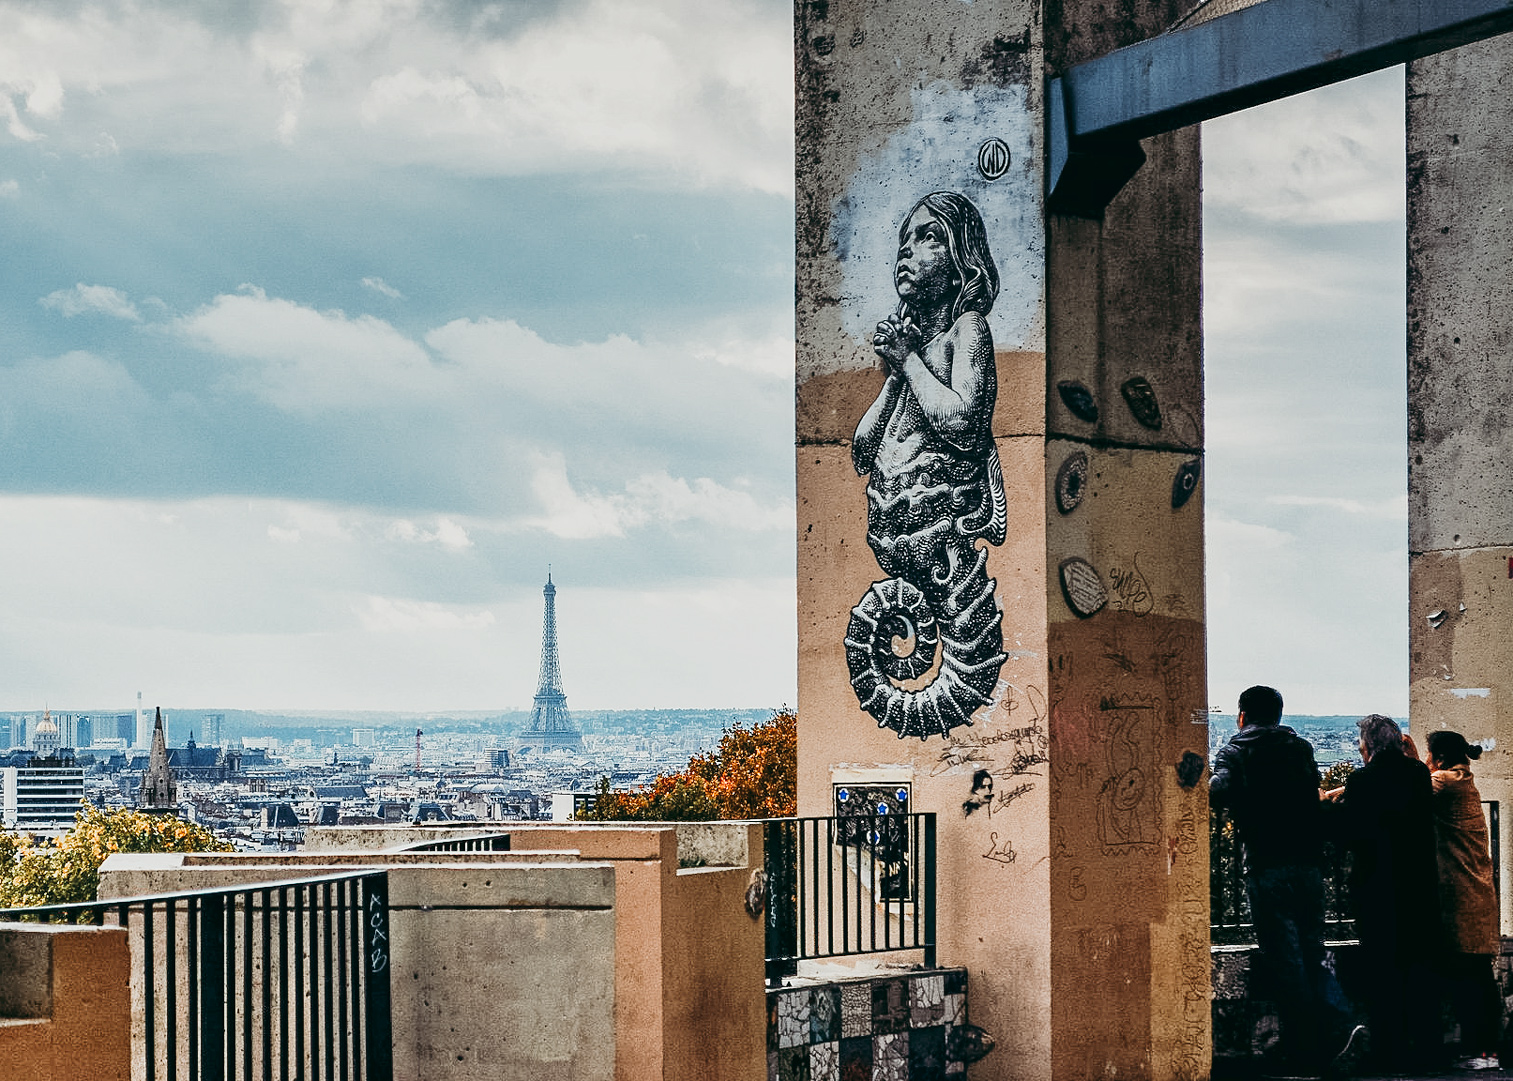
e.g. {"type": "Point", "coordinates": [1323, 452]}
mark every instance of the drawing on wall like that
{"type": "Point", "coordinates": [1140, 396]}
{"type": "Point", "coordinates": [1185, 483]}
{"type": "Point", "coordinates": [873, 819]}
{"type": "Point", "coordinates": [1078, 399]}
{"type": "Point", "coordinates": [982, 794]}
{"type": "Point", "coordinates": [993, 159]}
{"type": "Point", "coordinates": [1071, 482]}
{"type": "Point", "coordinates": [1128, 807]}
{"type": "Point", "coordinates": [1082, 587]}
{"type": "Point", "coordinates": [935, 485]}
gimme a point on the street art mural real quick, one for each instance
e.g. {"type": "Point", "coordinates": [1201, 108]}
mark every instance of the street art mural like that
{"type": "Point", "coordinates": [935, 486]}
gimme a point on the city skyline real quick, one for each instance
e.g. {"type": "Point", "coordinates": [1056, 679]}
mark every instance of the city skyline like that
{"type": "Point", "coordinates": [304, 386]}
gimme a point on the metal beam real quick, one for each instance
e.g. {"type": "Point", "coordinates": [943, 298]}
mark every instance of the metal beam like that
{"type": "Point", "coordinates": [1099, 110]}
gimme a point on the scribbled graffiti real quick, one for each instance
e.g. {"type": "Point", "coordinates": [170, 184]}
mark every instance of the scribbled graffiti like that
{"type": "Point", "coordinates": [935, 484]}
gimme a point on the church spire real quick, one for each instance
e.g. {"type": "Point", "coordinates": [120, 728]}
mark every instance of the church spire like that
{"type": "Point", "coordinates": [158, 787]}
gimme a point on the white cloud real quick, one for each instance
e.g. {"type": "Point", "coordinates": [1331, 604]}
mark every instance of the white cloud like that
{"type": "Point", "coordinates": [305, 361]}
{"type": "Point", "coordinates": [391, 614]}
{"type": "Point", "coordinates": [448, 534]}
{"type": "Point", "coordinates": [689, 92]}
{"type": "Point", "coordinates": [378, 285]}
{"type": "Point", "coordinates": [651, 498]}
{"type": "Point", "coordinates": [9, 189]}
{"type": "Point", "coordinates": [91, 300]}
{"type": "Point", "coordinates": [1393, 509]}
{"type": "Point", "coordinates": [1335, 154]}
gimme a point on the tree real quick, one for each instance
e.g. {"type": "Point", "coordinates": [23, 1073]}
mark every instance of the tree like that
{"type": "Point", "coordinates": [752, 774]}
{"type": "Point", "coordinates": [68, 870]}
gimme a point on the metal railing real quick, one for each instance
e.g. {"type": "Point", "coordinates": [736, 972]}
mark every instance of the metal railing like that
{"type": "Point", "coordinates": [276, 980]}
{"type": "Point", "coordinates": [481, 842]}
{"type": "Point", "coordinates": [846, 885]}
{"type": "Point", "coordinates": [1230, 909]}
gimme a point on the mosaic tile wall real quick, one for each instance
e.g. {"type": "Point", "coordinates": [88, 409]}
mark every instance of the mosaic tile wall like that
{"type": "Point", "coordinates": [887, 1028]}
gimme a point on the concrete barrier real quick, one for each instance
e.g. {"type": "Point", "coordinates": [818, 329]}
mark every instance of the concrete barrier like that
{"type": "Point", "coordinates": [65, 1010]}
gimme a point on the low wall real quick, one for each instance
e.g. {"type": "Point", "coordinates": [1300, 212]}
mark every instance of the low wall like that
{"type": "Point", "coordinates": [501, 967]}
{"type": "Point", "coordinates": [689, 964]}
{"type": "Point", "coordinates": [65, 1005]}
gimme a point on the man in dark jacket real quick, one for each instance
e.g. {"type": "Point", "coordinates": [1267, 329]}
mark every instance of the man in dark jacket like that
{"type": "Point", "coordinates": [1386, 815]}
{"type": "Point", "coordinates": [1267, 778]}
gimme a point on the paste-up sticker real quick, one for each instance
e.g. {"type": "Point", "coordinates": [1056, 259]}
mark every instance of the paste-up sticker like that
{"type": "Point", "coordinates": [1082, 587]}
{"type": "Point", "coordinates": [1071, 482]}
{"type": "Point", "coordinates": [1141, 399]}
{"type": "Point", "coordinates": [1078, 399]}
{"type": "Point", "coordinates": [1185, 483]}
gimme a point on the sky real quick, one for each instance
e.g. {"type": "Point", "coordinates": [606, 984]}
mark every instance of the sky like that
{"type": "Point", "coordinates": [326, 327]}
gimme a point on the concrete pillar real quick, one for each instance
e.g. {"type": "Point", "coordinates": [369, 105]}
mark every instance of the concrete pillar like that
{"type": "Point", "coordinates": [1073, 858]}
{"type": "Point", "coordinates": [1460, 406]}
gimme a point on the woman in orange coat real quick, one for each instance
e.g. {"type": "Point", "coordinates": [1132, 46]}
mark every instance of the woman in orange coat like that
{"type": "Point", "coordinates": [1468, 898]}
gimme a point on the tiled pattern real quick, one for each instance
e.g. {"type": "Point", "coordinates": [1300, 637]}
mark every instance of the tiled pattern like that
{"type": "Point", "coordinates": [888, 1028]}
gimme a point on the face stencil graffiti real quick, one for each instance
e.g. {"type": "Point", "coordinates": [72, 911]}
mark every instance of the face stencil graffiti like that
{"type": "Point", "coordinates": [935, 485]}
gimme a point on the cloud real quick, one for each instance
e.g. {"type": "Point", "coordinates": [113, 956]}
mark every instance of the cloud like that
{"type": "Point", "coordinates": [378, 285]}
{"type": "Point", "coordinates": [1393, 509]}
{"type": "Point", "coordinates": [448, 534]}
{"type": "Point", "coordinates": [9, 189]}
{"type": "Point", "coordinates": [1329, 156]}
{"type": "Point", "coordinates": [651, 498]}
{"type": "Point", "coordinates": [391, 614]}
{"type": "Point", "coordinates": [686, 92]}
{"type": "Point", "coordinates": [305, 361]}
{"type": "Point", "coordinates": [91, 300]}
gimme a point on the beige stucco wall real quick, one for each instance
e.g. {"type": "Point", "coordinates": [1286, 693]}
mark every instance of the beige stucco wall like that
{"type": "Point", "coordinates": [1078, 898]}
{"type": "Point", "coordinates": [65, 1007]}
{"type": "Point", "coordinates": [1460, 407]}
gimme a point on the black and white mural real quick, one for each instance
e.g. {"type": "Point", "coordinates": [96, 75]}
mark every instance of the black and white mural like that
{"type": "Point", "coordinates": [924, 645]}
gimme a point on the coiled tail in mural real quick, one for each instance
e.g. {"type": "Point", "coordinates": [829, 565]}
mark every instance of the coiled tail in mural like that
{"type": "Point", "coordinates": [925, 645]}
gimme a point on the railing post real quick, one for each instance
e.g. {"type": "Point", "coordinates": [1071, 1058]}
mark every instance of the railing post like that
{"type": "Point", "coordinates": [212, 1006]}
{"type": "Point", "coordinates": [929, 890]}
{"type": "Point", "coordinates": [778, 860]}
{"type": "Point", "coordinates": [377, 1022]}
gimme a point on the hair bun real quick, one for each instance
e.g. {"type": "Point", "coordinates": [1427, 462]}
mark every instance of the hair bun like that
{"type": "Point", "coordinates": [1473, 751]}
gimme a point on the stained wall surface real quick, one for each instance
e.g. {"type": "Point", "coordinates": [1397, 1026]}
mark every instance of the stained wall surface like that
{"type": "Point", "coordinates": [1072, 863]}
{"type": "Point", "coordinates": [1460, 406]}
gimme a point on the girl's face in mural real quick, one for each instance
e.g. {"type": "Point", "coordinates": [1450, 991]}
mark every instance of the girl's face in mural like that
{"type": "Point", "coordinates": [925, 275]}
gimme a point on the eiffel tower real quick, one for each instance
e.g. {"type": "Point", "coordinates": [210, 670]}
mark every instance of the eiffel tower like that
{"type": "Point", "coordinates": [551, 726]}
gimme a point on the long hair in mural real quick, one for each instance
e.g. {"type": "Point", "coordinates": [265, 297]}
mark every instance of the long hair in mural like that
{"type": "Point", "coordinates": [935, 485]}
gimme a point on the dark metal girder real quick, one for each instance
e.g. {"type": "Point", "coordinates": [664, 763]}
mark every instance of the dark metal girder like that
{"type": "Point", "coordinates": [1099, 110]}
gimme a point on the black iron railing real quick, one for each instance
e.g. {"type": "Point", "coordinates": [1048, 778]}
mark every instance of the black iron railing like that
{"type": "Point", "coordinates": [281, 980]}
{"type": "Point", "coordinates": [1230, 909]}
{"type": "Point", "coordinates": [482, 842]}
{"type": "Point", "coordinates": [846, 885]}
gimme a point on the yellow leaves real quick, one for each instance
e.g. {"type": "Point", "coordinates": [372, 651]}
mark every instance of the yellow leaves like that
{"type": "Point", "coordinates": [69, 869]}
{"type": "Point", "coordinates": [753, 774]}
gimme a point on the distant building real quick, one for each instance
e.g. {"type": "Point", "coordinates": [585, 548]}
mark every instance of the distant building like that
{"type": "Point", "coordinates": [363, 737]}
{"type": "Point", "coordinates": [568, 805]}
{"type": "Point", "coordinates": [551, 726]}
{"type": "Point", "coordinates": [46, 739]}
{"type": "Point", "coordinates": [159, 790]}
{"type": "Point", "coordinates": [42, 797]}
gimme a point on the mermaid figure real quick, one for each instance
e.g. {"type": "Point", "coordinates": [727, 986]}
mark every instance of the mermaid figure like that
{"type": "Point", "coordinates": [935, 485]}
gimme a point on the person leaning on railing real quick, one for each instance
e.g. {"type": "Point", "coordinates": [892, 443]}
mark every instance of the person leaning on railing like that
{"type": "Point", "coordinates": [1267, 778]}
{"type": "Point", "coordinates": [1467, 899]}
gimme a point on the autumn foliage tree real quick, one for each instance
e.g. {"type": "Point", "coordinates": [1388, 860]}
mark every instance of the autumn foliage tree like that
{"type": "Point", "coordinates": [68, 870]}
{"type": "Point", "coordinates": [752, 774]}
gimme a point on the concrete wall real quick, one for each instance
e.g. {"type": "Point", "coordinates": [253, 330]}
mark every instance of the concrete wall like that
{"type": "Point", "coordinates": [1460, 406]}
{"type": "Point", "coordinates": [65, 1007]}
{"type": "Point", "coordinates": [500, 968]}
{"type": "Point", "coordinates": [1076, 894]}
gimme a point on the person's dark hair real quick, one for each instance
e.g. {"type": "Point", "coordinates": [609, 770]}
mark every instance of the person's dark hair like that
{"type": "Point", "coordinates": [1379, 734]}
{"type": "Point", "coordinates": [1452, 749]}
{"type": "Point", "coordinates": [1261, 705]}
{"type": "Point", "coordinates": [967, 241]}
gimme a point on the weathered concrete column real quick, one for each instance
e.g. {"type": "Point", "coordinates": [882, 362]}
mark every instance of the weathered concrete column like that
{"type": "Point", "coordinates": [1073, 858]}
{"type": "Point", "coordinates": [1460, 406]}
